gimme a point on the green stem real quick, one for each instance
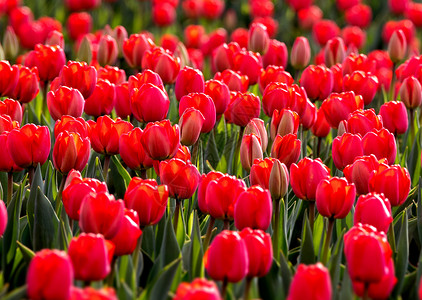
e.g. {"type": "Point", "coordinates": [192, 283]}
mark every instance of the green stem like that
{"type": "Point", "coordinates": [9, 187]}
{"type": "Point", "coordinates": [311, 214]}
{"type": "Point", "coordinates": [44, 98]}
{"type": "Point", "coordinates": [331, 222]}
{"type": "Point", "coordinates": [237, 150]}
{"type": "Point", "coordinates": [59, 194]}
{"type": "Point", "coordinates": [136, 254]}
{"type": "Point", "coordinates": [393, 83]}
{"type": "Point", "coordinates": [209, 232]}
{"type": "Point", "coordinates": [247, 288]}
{"type": "Point", "coordinates": [412, 125]}
{"type": "Point", "coordinates": [224, 288]}
{"type": "Point", "coordinates": [226, 224]}
{"type": "Point", "coordinates": [392, 238]}
{"type": "Point", "coordinates": [276, 227]}
{"type": "Point", "coordinates": [176, 215]}
{"type": "Point", "coordinates": [30, 175]}
{"type": "Point", "coordinates": [318, 152]}
{"type": "Point", "coordinates": [365, 292]}
{"type": "Point", "coordinates": [195, 150]}
{"type": "Point", "coordinates": [110, 277]}
{"type": "Point", "coordinates": [106, 167]}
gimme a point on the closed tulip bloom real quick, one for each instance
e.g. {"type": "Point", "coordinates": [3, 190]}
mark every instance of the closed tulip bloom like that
{"type": "Point", "coordinates": [162, 62]}
{"type": "Point", "coordinates": [55, 38]}
{"type": "Point", "coordinates": [248, 63]}
{"type": "Point", "coordinates": [337, 107]}
{"type": "Point", "coordinates": [276, 55]}
{"type": "Point", "coordinates": [27, 87]}
{"type": "Point", "coordinates": [334, 52]}
{"type": "Point", "coordinates": [335, 197]}
{"type": "Point", "coordinates": [227, 257]}
{"type": "Point", "coordinates": [301, 53]}
{"type": "Point", "coordinates": [311, 282]}
{"type": "Point", "coordinates": [360, 171]}
{"type": "Point", "coordinates": [284, 122]}
{"type": "Point", "coordinates": [148, 199]}
{"type": "Point", "coordinates": [132, 152]}
{"type": "Point", "coordinates": [257, 127]}
{"type": "Point", "coordinates": [363, 121]}
{"type": "Point", "coordinates": [260, 251]}
{"type": "Point", "coordinates": [258, 40]}
{"type": "Point", "coordinates": [364, 84]}
{"type": "Point", "coordinates": [122, 101]}
{"type": "Point", "coordinates": [101, 213]}
{"type": "Point", "coordinates": [147, 76]}
{"type": "Point", "coordinates": [324, 30]}
{"type": "Point", "coordinates": [9, 78]}
{"type": "Point", "coordinates": [318, 81]}
{"type": "Point", "coordinates": [49, 276]}
{"type": "Point", "coordinates": [253, 209]}
{"type": "Point", "coordinates": [112, 74]}
{"type": "Point", "coordinates": [219, 93]}
{"type": "Point", "coordinates": [381, 143]}
{"type": "Point", "coordinates": [309, 115]}
{"type": "Point", "coordinates": [13, 109]}
{"type": "Point", "coordinates": [107, 50]}
{"type": "Point", "coordinates": [359, 15]}
{"type": "Point", "coordinates": [286, 149]}
{"type": "Point", "coordinates": [80, 76]}
{"type": "Point", "coordinates": [279, 180]}
{"type": "Point", "coordinates": [204, 104]}
{"type": "Point", "coordinates": [394, 182]}
{"type": "Point", "coordinates": [189, 80]}
{"type": "Point", "coordinates": [242, 108]}
{"type": "Point", "coordinates": [411, 93]}
{"type": "Point", "coordinates": [48, 59]}
{"type": "Point", "coordinates": [78, 24]}
{"type": "Point", "coordinates": [149, 103]}
{"type": "Point", "coordinates": [190, 123]}
{"type": "Point", "coordinates": [260, 172]}
{"type": "Point", "coordinates": [305, 177]}
{"type": "Point", "coordinates": [134, 49]}
{"type": "Point", "coordinates": [182, 178]}
{"type": "Point", "coordinates": [7, 164]}
{"type": "Point", "coordinates": [250, 149]}
{"type": "Point", "coordinates": [91, 255]}
{"type": "Point", "coordinates": [71, 124]}
{"type": "Point", "coordinates": [222, 57]}
{"type": "Point", "coordinates": [274, 74]}
{"type": "Point", "coordinates": [102, 99]}
{"type": "Point", "coordinates": [234, 80]}
{"type": "Point", "coordinates": [76, 188]}
{"type": "Point", "coordinates": [65, 101]}
{"type": "Point", "coordinates": [370, 203]}
{"type": "Point", "coordinates": [394, 117]}
{"type": "Point", "coordinates": [127, 237]}
{"type": "Point", "coordinates": [33, 143]}
{"type": "Point", "coordinates": [7, 124]}
{"type": "Point", "coordinates": [320, 128]}
{"type": "Point", "coordinates": [106, 132]}
{"type": "Point", "coordinates": [277, 95]}
{"type": "Point", "coordinates": [221, 196]}
{"type": "Point", "coordinates": [161, 140]}
{"type": "Point", "coordinates": [367, 254]}
{"type": "Point", "coordinates": [397, 46]}
{"type": "Point", "coordinates": [71, 151]}
{"type": "Point", "coordinates": [202, 188]}
{"type": "Point", "coordinates": [200, 288]}
{"type": "Point", "coordinates": [346, 148]}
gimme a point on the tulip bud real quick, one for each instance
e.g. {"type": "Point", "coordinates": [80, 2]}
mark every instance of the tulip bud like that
{"type": "Point", "coordinates": [190, 124]}
{"type": "Point", "coordinates": [335, 51]}
{"type": "Point", "coordinates": [10, 44]}
{"type": "Point", "coordinates": [286, 149]}
{"type": "Point", "coordinates": [50, 275]}
{"type": "Point", "coordinates": [78, 24]}
{"type": "Point", "coordinates": [284, 122]}
{"type": "Point", "coordinates": [394, 117]}
{"type": "Point", "coordinates": [260, 172]}
{"type": "Point", "coordinates": [84, 52]}
{"type": "Point", "coordinates": [258, 39]}
{"type": "Point", "coordinates": [397, 46]}
{"type": "Point", "coordinates": [250, 149]}
{"type": "Point", "coordinates": [279, 180]}
{"type": "Point", "coordinates": [55, 38]}
{"type": "Point", "coordinates": [204, 104]}
{"type": "Point", "coordinates": [367, 205]}
{"type": "Point", "coordinates": [301, 53]}
{"type": "Point", "coordinates": [257, 127]}
{"type": "Point", "coordinates": [71, 151]}
{"type": "Point", "coordinates": [411, 92]}
{"type": "Point", "coordinates": [219, 93]}
{"type": "Point", "coordinates": [107, 50]}
{"type": "Point", "coordinates": [276, 55]}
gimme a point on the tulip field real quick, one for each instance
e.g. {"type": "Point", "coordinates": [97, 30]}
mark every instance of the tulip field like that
{"type": "Point", "coordinates": [210, 149]}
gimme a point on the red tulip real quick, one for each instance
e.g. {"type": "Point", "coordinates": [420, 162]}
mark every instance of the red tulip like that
{"type": "Point", "coordinates": [305, 177]}
{"type": "Point", "coordinates": [148, 199]}
{"type": "Point", "coordinates": [411, 93]}
{"type": "Point", "coordinates": [71, 151]}
{"type": "Point", "coordinates": [309, 16]}
{"type": "Point", "coordinates": [248, 63]}
{"type": "Point", "coordinates": [189, 80]}
{"type": "Point", "coordinates": [258, 40]}
{"type": "Point", "coordinates": [122, 101]}
{"type": "Point", "coordinates": [394, 182]}
{"type": "Point", "coordinates": [12, 109]}
{"type": "Point", "coordinates": [278, 95]}
{"type": "Point", "coordinates": [106, 293]}
{"type": "Point", "coordinates": [257, 127]}
{"type": "Point", "coordinates": [71, 124]}
{"type": "Point", "coordinates": [7, 163]}
{"type": "Point", "coordinates": [358, 62]}
{"type": "Point", "coordinates": [301, 53]}
{"type": "Point", "coordinates": [135, 47]}
{"type": "Point", "coordinates": [370, 203]}
{"type": "Point", "coordinates": [193, 35]}
{"type": "Point", "coordinates": [334, 51]}
{"type": "Point", "coordinates": [80, 76]}
{"type": "Point", "coordinates": [112, 74]}
{"type": "Point", "coordinates": [204, 104]}
{"type": "Point", "coordinates": [200, 288]}
{"type": "Point", "coordinates": [360, 171]}
{"type": "Point", "coordinates": [284, 122]}
{"type": "Point", "coordinates": [132, 152]}
{"type": "Point", "coordinates": [75, 5]}
{"type": "Point", "coordinates": [161, 140]}
{"type": "Point", "coordinates": [9, 78]}
{"type": "Point", "coordinates": [276, 55]}
{"type": "Point", "coordinates": [222, 57]}
{"type": "Point", "coordinates": [162, 62]}
{"type": "Point", "coordinates": [127, 237]}
{"type": "Point", "coordinates": [33, 142]}
{"type": "Point", "coordinates": [91, 255]}
{"type": "Point", "coordinates": [397, 46]}
{"type": "Point", "coordinates": [324, 30]}
{"type": "Point", "coordinates": [219, 93]}
{"type": "Point", "coordinates": [364, 84]}
{"type": "Point", "coordinates": [363, 121]}
{"type": "Point", "coordinates": [107, 50]}
{"type": "Point", "coordinates": [212, 9]}
{"type": "Point", "coordinates": [221, 196]}
{"type": "Point", "coordinates": [260, 172]}
{"type": "Point", "coordinates": [398, 7]}
{"type": "Point", "coordinates": [78, 24]}
{"type": "Point", "coordinates": [321, 128]}
{"type": "Point", "coordinates": [227, 257]}
{"type": "Point", "coordinates": [286, 149]}
{"type": "Point", "coordinates": [7, 124]}
{"type": "Point", "coordinates": [359, 15]}
{"type": "Point", "coordinates": [242, 108]}
{"type": "Point", "coordinates": [394, 117]}
{"type": "Point", "coordinates": [317, 81]}
{"type": "Point", "coordinates": [346, 148]}
{"type": "Point", "coordinates": [163, 14]}
{"type": "Point", "coordinates": [253, 209]}
{"type": "Point", "coordinates": [106, 132]}
{"type": "Point", "coordinates": [250, 149]}
{"type": "Point", "coordinates": [311, 282]}
{"type": "Point", "coordinates": [274, 74]}
{"type": "Point", "coordinates": [147, 76]}
{"type": "Point", "coordinates": [337, 107]}
{"type": "Point", "coordinates": [202, 188]}
{"type": "Point", "coordinates": [48, 59]}
{"type": "Point", "coordinates": [76, 188]}
{"type": "Point", "coordinates": [49, 276]}
{"type": "Point", "coordinates": [381, 143]}
{"type": "Point", "coordinates": [335, 197]}
{"type": "Point", "coordinates": [297, 5]}
{"type": "Point", "coordinates": [353, 36]}
{"type": "Point", "coordinates": [191, 123]}
{"type": "Point", "coordinates": [149, 103]}
{"type": "Point", "coordinates": [65, 101]}
{"type": "Point", "coordinates": [102, 99]}
{"type": "Point", "coordinates": [27, 87]}
{"type": "Point", "coordinates": [182, 178]}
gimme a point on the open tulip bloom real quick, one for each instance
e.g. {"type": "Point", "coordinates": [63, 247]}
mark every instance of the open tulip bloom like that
{"type": "Point", "coordinates": [197, 149]}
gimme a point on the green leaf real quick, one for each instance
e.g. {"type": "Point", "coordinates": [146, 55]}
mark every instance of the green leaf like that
{"type": "Point", "coordinates": [37, 182]}
{"type": "Point", "coordinates": [419, 211]}
{"type": "Point", "coordinates": [307, 252]}
{"type": "Point", "coordinates": [285, 271]}
{"type": "Point", "coordinates": [16, 294]}
{"type": "Point", "coordinates": [196, 252]}
{"type": "Point", "coordinates": [270, 286]}
{"type": "Point", "coordinates": [335, 262]}
{"type": "Point", "coordinates": [27, 253]}
{"type": "Point", "coordinates": [402, 254]}
{"type": "Point", "coordinates": [122, 171]}
{"type": "Point", "coordinates": [318, 234]}
{"type": "Point", "coordinates": [346, 291]}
